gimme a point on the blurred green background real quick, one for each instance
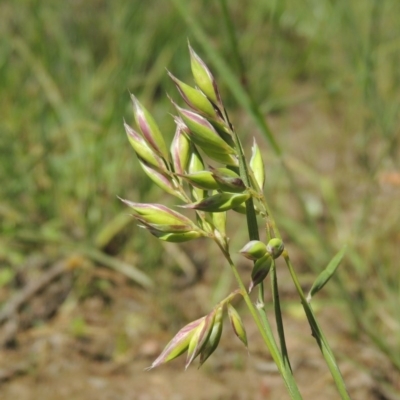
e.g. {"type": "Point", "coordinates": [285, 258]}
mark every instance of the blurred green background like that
{"type": "Point", "coordinates": [325, 75]}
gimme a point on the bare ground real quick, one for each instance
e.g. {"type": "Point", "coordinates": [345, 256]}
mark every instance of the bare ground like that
{"type": "Point", "coordinates": [98, 348]}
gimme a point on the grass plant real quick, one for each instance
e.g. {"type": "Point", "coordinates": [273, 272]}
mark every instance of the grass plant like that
{"type": "Point", "coordinates": [205, 132]}
{"type": "Point", "coordinates": [335, 64]}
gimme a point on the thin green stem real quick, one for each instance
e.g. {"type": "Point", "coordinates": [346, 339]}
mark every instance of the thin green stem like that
{"type": "Point", "coordinates": [266, 333]}
{"type": "Point", "coordinates": [285, 370]}
{"type": "Point", "coordinates": [278, 316]}
{"type": "Point", "coordinates": [316, 329]}
{"type": "Point", "coordinates": [263, 315]}
{"type": "Point", "coordinates": [318, 334]}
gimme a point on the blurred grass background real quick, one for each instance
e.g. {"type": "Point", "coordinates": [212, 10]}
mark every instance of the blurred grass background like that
{"type": "Point", "coordinates": [325, 75]}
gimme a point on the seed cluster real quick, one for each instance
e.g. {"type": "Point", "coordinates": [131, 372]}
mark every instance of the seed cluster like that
{"type": "Point", "coordinates": [203, 135]}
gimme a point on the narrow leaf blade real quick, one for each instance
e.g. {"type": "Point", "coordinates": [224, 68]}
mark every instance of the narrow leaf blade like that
{"type": "Point", "coordinates": [326, 274]}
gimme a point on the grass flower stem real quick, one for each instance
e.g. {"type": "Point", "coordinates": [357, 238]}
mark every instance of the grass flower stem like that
{"type": "Point", "coordinates": [316, 329]}
{"type": "Point", "coordinates": [260, 318]}
{"type": "Point", "coordinates": [278, 316]}
{"type": "Point", "coordinates": [265, 328]}
{"type": "Point", "coordinates": [318, 334]}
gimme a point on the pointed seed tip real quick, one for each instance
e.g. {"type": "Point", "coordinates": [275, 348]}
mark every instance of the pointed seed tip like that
{"type": "Point", "coordinates": [185, 205]}
{"type": "Point", "coordinates": [251, 287]}
{"type": "Point", "coordinates": [171, 75]}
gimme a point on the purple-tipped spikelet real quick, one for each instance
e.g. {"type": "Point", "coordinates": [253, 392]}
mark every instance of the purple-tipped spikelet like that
{"type": "Point", "coordinates": [260, 270]}
{"type": "Point", "coordinates": [158, 214]}
{"type": "Point", "coordinates": [215, 335]}
{"type": "Point", "coordinates": [178, 345]}
{"type": "Point", "coordinates": [142, 149]}
{"type": "Point", "coordinates": [202, 133]}
{"type": "Point", "coordinates": [161, 179]}
{"type": "Point", "coordinates": [180, 150]}
{"type": "Point", "coordinates": [199, 338]}
{"type": "Point", "coordinates": [164, 223]}
{"type": "Point", "coordinates": [149, 128]}
{"type": "Point", "coordinates": [204, 78]}
{"type": "Point", "coordinates": [194, 98]}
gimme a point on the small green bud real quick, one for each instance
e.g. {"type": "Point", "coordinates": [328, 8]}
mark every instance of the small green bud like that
{"type": "Point", "coordinates": [215, 336]}
{"type": "Point", "coordinates": [257, 165]}
{"type": "Point", "coordinates": [149, 128]}
{"type": "Point", "coordinates": [142, 149]}
{"type": "Point", "coordinates": [203, 134]}
{"type": "Point", "coordinates": [219, 202]}
{"type": "Point", "coordinates": [178, 345]}
{"type": "Point", "coordinates": [275, 247]}
{"type": "Point", "coordinates": [237, 324]}
{"type": "Point", "coordinates": [253, 250]}
{"type": "Point", "coordinates": [203, 77]}
{"type": "Point", "coordinates": [260, 270]}
{"type": "Point", "coordinates": [194, 98]}
{"type": "Point", "coordinates": [199, 338]}
{"type": "Point", "coordinates": [180, 151]}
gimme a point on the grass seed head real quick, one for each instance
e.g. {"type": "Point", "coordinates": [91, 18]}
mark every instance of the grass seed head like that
{"type": "Point", "coordinates": [178, 344]}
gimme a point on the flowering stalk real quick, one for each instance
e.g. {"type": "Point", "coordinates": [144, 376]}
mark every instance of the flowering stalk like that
{"type": "Point", "coordinates": [205, 134]}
